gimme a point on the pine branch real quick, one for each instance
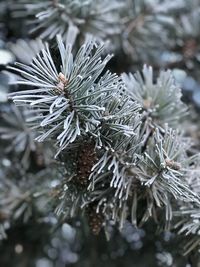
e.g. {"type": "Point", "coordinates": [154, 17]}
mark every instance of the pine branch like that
{"type": "Point", "coordinates": [137, 159]}
{"type": "Point", "coordinates": [161, 101]}
{"type": "Point", "coordinates": [69, 101]}
{"type": "Point", "coordinates": [72, 19]}
{"type": "Point", "coordinates": [14, 131]}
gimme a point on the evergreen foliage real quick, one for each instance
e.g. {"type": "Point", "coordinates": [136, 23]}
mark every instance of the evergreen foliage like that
{"type": "Point", "coordinates": [91, 155]}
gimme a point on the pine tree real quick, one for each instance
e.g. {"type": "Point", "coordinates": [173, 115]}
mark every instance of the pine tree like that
{"type": "Point", "coordinates": [100, 149]}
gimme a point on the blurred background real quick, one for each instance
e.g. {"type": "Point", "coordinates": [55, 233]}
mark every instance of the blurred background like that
{"type": "Point", "coordinates": [162, 33]}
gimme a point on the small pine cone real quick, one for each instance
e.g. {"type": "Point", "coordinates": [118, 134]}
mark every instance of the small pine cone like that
{"type": "Point", "coordinates": [95, 220]}
{"type": "Point", "coordinates": [85, 161]}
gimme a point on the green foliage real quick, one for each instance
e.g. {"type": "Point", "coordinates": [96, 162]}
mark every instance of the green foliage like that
{"type": "Point", "coordinates": [135, 155]}
{"type": "Point", "coordinates": [72, 19]}
{"type": "Point", "coordinates": [87, 143]}
{"type": "Point", "coordinates": [18, 136]}
{"type": "Point", "coordinates": [161, 101]}
{"type": "Point", "coordinates": [72, 95]}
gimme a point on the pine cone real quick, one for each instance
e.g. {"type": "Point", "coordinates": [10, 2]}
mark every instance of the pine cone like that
{"type": "Point", "coordinates": [95, 220]}
{"type": "Point", "coordinates": [85, 161]}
